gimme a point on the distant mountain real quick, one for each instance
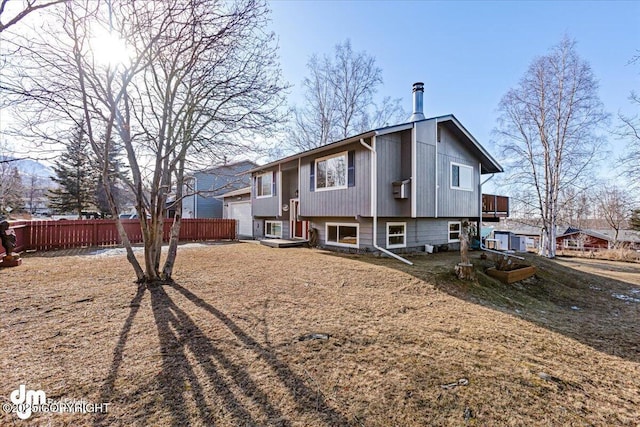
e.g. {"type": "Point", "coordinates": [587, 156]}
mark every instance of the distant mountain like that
{"type": "Point", "coordinates": [30, 167]}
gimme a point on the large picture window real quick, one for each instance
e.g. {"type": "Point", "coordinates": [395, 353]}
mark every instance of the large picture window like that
{"type": "Point", "coordinates": [273, 229]}
{"type": "Point", "coordinates": [396, 235]}
{"type": "Point", "coordinates": [331, 172]}
{"type": "Point", "coordinates": [342, 235]}
{"type": "Point", "coordinates": [264, 185]}
{"type": "Point", "coordinates": [461, 177]}
{"type": "Point", "coordinates": [454, 231]}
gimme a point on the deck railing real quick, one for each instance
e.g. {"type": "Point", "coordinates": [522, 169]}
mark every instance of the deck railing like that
{"type": "Point", "coordinates": [64, 234]}
{"type": "Point", "coordinates": [495, 206]}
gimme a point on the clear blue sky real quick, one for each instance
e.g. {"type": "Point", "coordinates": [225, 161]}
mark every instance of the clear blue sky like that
{"type": "Point", "coordinates": [468, 53]}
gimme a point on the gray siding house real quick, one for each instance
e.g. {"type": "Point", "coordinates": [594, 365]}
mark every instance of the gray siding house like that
{"type": "Point", "coordinates": [396, 189]}
{"type": "Point", "coordinates": [205, 188]}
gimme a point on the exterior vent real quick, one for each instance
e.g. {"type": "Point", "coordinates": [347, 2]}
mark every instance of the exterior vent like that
{"type": "Point", "coordinates": [401, 189]}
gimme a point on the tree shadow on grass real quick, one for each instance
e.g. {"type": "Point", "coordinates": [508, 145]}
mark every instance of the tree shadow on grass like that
{"type": "Point", "coordinates": [180, 335]}
{"type": "Point", "coordinates": [187, 351]}
{"type": "Point", "coordinates": [107, 388]}
{"type": "Point", "coordinates": [188, 335]}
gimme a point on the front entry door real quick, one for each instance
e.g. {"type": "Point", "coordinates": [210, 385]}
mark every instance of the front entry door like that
{"type": "Point", "coordinates": [298, 228]}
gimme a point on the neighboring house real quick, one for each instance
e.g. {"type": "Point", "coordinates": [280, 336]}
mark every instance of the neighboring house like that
{"type": "Point", "coordinates": [208, 185]}
{"type": "Point", "coordinates": [237, 205]}
{"type": "Point", "coordinates": [397, 188]}
{"type": "Point", "coordinates": [574, 239]}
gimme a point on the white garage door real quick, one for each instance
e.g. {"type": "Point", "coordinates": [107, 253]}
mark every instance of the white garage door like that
{"type": "Point", "coordinates": [242, 212]}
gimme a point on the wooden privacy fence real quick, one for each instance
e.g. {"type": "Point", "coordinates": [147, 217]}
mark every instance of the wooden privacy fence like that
{"type": "Point", "coordinates": [46, 235]}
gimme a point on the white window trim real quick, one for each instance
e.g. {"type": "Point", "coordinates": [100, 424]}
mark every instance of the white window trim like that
{"type": "Point", "coordinates": [449, 231]}
{"type": "Point", "coordinates": [272, 235]}
{"type": "Point", "coordinates": [460, 165]}
{"type": "Point", "coordinates": [344, 154]}
{"type": "Point", "coordinates": [341, 224]}
{"type": "Point", "coordinates": [567, 244]}
{"type": "Point", "coordinates": [404, 235]}
{"type": "Point", "coordinates": [270, 187]}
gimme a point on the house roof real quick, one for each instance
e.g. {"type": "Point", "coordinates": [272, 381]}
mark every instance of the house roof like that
{"type": "Point", "coordinates": [489, 164]}
{"type": "Point", "coordinates": [572, 231]}
{"type": "Point", "coordinates": [238, 192]}
{"type": "Point", "coordinates": [230, 169]}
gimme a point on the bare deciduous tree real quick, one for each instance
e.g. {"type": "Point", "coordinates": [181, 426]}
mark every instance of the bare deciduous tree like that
{"type": "Point", "coordinates": [630, 131]}
{"type": "Point", "coordinates": [339, 99]}
{"type": "Point", "coordinates": [574, 207]}
{"type": "Point", "coordinates": [614, 205]}
{"type": "Point", "coordinates": [548, 130]}
{"type": "Point", "coordinates": [199, 79]}
{"type": "Point", "coordinates": [13, 12]}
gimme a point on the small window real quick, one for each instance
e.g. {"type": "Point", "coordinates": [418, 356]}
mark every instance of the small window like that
{"type": "Point", "coordinates": [273, 229]}
{"type": "Point", "coordinates": [342, 235]}
{"type": "Point", "coordinates": [461, 177]}
{"type": "Point", "coordinates": [264, 185]}
{"type": "Point", "coordinates": [572, 243]}
{"type": "Point", "coordinates": [454, 231]}
{"type": "Point", "coordinates": [331, 172]}
{"type": "Point", "coordinates": [396, 235]}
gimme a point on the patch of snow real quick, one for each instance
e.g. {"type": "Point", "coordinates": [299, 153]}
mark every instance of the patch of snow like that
{"type": "Point", "coordinates": [573, 307]}
{"type": "Point", "coordinates": [109, 252]}
{"type": "Point", "coordinates": [635, 291]}
{"type": "Point", "coordinates": [626, 298]}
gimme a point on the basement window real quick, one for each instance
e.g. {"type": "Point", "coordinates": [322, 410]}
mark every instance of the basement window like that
{"type": "Point", "coordinates": [454, 231]}
{"type": "Point", "coordinates": [396, 233]}
{"type": "Point", "coordinates": [273, 229]}
{"type": "Point", "coordinates": [346, 235]}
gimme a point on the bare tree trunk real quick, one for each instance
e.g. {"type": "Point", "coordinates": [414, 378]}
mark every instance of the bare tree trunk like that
{"type": "Point", "coordinates": [172, 251]}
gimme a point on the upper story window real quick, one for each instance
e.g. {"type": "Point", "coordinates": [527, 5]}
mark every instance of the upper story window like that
{"type": "Point", "coordinates": [331, 172]}
{"type": "Point", "coordinates": [461, 177]}
{"type": "Point", "coordinates": [264, 185]}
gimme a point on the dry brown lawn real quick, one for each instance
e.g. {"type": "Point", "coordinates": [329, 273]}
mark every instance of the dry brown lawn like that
{"type": "Point", "coordinates": [231, 343]}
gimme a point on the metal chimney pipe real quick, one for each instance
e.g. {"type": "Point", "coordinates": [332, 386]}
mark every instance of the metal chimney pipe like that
{"type": "Point", "coordinates": [418, 92]}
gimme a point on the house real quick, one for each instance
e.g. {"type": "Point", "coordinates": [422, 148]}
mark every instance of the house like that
{"type": "Point", "coordinates": [396, 188]}
{"type": "Point", "coordinates": [205, 187]}
{"type": "Point", "coordinates": [575, 239]}
{"type": "Point", "coordinates": [581, 239]}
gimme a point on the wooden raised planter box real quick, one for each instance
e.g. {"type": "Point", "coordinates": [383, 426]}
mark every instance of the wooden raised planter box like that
{"type": "Point", "coordinates": [512, 276]}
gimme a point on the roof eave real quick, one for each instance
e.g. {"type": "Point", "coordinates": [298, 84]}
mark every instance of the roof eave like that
{"type": "Point", "coordinates": [313, 151]}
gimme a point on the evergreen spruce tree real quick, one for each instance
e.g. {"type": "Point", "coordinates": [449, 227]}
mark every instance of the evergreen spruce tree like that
{"type": "Point", "coordinates": [118, 173]}
{"type": "Point", "coordinates": [75, 176]}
